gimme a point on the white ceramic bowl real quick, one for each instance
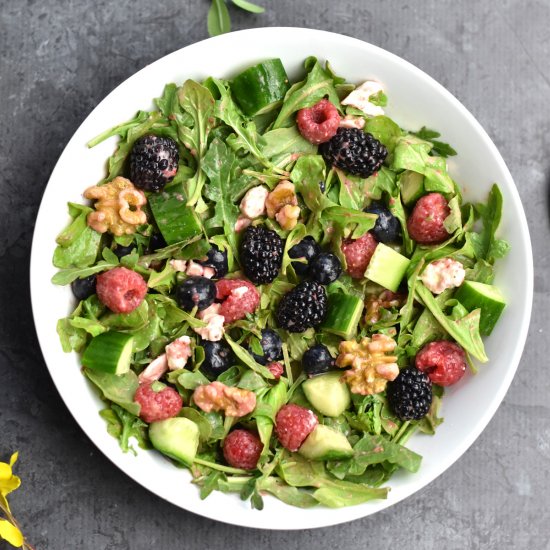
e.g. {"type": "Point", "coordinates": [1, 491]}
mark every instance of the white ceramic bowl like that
{"type": "Point", "coordinates": [415, 100]}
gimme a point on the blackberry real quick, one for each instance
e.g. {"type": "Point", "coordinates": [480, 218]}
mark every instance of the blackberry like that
{"type": "Point", "coordinates": [272, 347]}
{"type": "Point", "coordinates": [354, 151]}
{"type": "Point", "coordinates": [325, 268]}
{"type": "Point", "coordinates": [217, 260]}
{"type": "Point", "coordinates": [317, 360]}
{"type": "Point", "coordinates": [261, 254]}
{"type": "Point", "coordinates": [153, 162]}
{"type": "Point", "coordinates": [410, 394]}
{"type": "Point", "coordinates": [305, 306]}
{"type": "Point", "coordinates": [306, 250]}
{"type": "Point", "coordinates": [387, 228]}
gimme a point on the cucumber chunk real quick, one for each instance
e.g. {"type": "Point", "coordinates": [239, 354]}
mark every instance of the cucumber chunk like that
{"type": "Point", "coordinates": [325, 443]}
{"type": "Point", "coordinates": [343, 314]}
{"type": "Point", "coordinates": [412, 187]}
{"type": "Point", "coordinates": [488, 298]}
{"type": "Point", "coordinates": [387, 267]}
{"type": "Point", "coordinates": [109, 352]}
{"type": "Point", "coordinates": [327, 393]}
{"type": "Point", "coordinates": [176, 221]}
{"type": "Point", "coordinates": [260, 88]}
{"type": "Point", "coordinates": [177, 438]}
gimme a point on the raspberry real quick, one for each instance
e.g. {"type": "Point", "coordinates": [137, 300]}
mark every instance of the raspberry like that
{"type": "Point", "coordinates": [293, 424]}
{"type": "Point", "coordinates": [239, 298]}
{"type": "Point", "coordinates": [318, 123]}
{"type": "Point", "coordinates": [276, 369]}
{"type": "Point", "coordinates": [120, 289]}
{"type": "Point", "coordinates": [242, 449]}
{"type": "Point", "coordinates": [425, 224]}
{"type": "Point", "coordinates": [160, 405]}
{"type": "Point", "coordinates": [443, 361]}
{"type": "Point", "coordinates": [358, 254]}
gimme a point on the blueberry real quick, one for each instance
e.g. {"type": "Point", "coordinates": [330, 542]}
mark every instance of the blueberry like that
{"type": "Point", "coordinates": [325, 268]}
{"type": "Point", "coordinates": [121, 251]}
{"type": "Point", "coordinates": [196, 291]}
{"type": "Point", "coordinates": [387, 228]}
{"type": "Point", "coordinates": [83, 288]}
{"type": "Point", "coordinates": [307, 249]}
{"type": "Point", "coordinates": [156, 241]}
{"type": "Point", "coordinates": [272, 346]}
{"type": "Point", "coordinates": [217, 260]}
{"type": "Point", "coordinates": [317, 360]}
{"type": "Point", "coordinates": [217, 358]}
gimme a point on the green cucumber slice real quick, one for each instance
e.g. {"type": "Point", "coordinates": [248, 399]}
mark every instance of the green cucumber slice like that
{"type": "Point", "coordinates": [325, 443]}
{"type": "Point", "coordinates": [176, 221]}
{"type": "Point", "coordinates": [412, 187]}
{"type": "Point", "coordinates": [488, 298]}
{"type": "Point", "coordinates": [343, 314]}
{"type": "Point", "coordinates": [387, 267]}
{"type": "Point", "coordinates": [177, 438]}
{"type": "Point", "coordinates": [260, 88]}
{"type": "Point", "coordinates": [109, 352]}
{"type": "Point", "coordinates": [327, 393]}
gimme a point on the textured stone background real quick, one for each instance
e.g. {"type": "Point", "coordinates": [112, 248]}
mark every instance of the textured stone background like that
{"type": "Point", "coordinates": [58, 59]}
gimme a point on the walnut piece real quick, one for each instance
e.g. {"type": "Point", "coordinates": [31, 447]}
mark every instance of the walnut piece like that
{"type": "Point", "coordinates": [371, 368]}
{"type": "Point", "coordinates": [117, 208]}
{"type": "Point", "coordinates": [216, 396]}
{"type": "Point", "coordinates": [386, 300]}
{"type": "Point", "coordinates": [282, 204]}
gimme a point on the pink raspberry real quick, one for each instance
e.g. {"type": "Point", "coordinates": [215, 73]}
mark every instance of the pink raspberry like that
{"type": "Point", "coordinates": [443, 361]}
{"type": "Point", "coordinates": [160, 405]}
{"type": "Point", "coordinates": [293, 424]}
{"type": "Point", "coordinates": [425, 224]}
{"type": "Point", "coordinates": [318, 123]}
{"type": "Point", "coordinates": [238, 296]}
{"type": "Point", "coordinates": [120, 289]}
{"type": "Point", "coordinates": [276, 369]}
{"type": "Point", "coordinates": [242, 449]}
{"type": "Point", "coordinates": [358, 253]}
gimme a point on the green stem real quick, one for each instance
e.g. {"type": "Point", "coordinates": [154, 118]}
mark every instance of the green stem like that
{"type": "Point", "coordinates": [401, 431]}
{"type": "Point", "coordinates": [214, 466]}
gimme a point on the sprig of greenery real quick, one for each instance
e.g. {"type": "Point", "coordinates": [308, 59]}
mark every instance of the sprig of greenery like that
{"type": "Point", "coordinates": [10, 530]}
{"type": "Point", "coordinates": [219, 20]}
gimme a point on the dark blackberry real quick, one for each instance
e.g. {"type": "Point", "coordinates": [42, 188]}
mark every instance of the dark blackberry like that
{"type": "Point", "coordinates": [217, 260]}
{"type": "Point", "coordinates": [306, 250]}
{"type": "Point", "coordinates": [305, 306]}
{"type": "Point", "coordinates": [261, 254]}
{"type": "Point", "coordinates": [387, 228]}
{"type": "Point", "coordinates": [317, 360]}
{"type": "Point", "coordinates": [83, 288]}
{"type": "Point", "coordinates": [272, 346]}
{"type": "Point", "coordinates": [195, 291]}
{"type": "Point", "coordinates": [354, 151]}
{"type": "Point", "coordinates": [153, 162]}
{"type": "Point", "coordinates": [410, 394]}
{"type": "Point", "coordinates": [325, 268]}
{"type": "Point", "coordinates": [217, 358]}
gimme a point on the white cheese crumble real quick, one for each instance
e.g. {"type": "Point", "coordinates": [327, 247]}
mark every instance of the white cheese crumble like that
{"type": "Point", "coordinates": [443, 274]}
{"type": "Point", "coordinates": [213, 331]}
{"type": "Point", "coordinates": [178, 352]}
{"type": "Point", "coordinates": [253, 203]}
{"type": "Point", "coordinates": [360, 97]}
{"type": "Point", "coordinates": [178, 265]}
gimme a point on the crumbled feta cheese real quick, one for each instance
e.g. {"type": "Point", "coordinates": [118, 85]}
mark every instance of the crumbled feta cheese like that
{"type": "Point", "coordinates": [443, 274]}
{"type": "Point", "coordinates": [213, 331]}
{"type": "Point", "coordinates": [154, 370]}
{"type": "Point", "coordinates": [359, 98]}
{"type": "Point", "coordinates": [239, 292]}
{"type": "Point", "coordinates": [178, 352]}
{"type": "Point", "coordinates": [253, 203]}
{"type": "Point", "coordinates": [350, 121]}
{"type": "Point", "coordinates": [194, 269]}
{"type": "Point", "coordinates": [208, 272]}
{"type": "Point", "coordinates": [178, 265]}
{"type": "Point", "coordinates": [242, 223]}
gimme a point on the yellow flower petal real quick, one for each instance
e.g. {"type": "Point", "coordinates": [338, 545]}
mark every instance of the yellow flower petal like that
{"type": "Point", "coordinates": [10, 533]}
{"type": "Point", "coordinates": [13, 458]}
{"type": "Point", "coordinates": [4, 504]}
{"type": "Point", "coordinates": [9, 485]}
{"type": "Point", "coordinates": [5, 471]}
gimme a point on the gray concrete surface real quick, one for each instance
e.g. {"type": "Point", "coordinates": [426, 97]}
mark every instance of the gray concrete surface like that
{"type": "Point", "coordinates": [58, 59]}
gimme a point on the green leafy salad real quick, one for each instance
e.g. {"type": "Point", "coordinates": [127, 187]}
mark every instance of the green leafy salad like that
{"type": "Point", "coordinates": [275, 282]}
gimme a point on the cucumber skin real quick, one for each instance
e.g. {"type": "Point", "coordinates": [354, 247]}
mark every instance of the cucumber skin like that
{"type": "Point", "coordinates": [177, 438]}
{"type": "Point", "coordinates": [109, 352]}
{"type": "Point", "coordinates": [258, 87]}
{"type": "Point", "coordinates": [176, 221]}
{"type": "Point", "coordinates": [343, 314]}
{"type": "Point", "coordinates": [488, 319]}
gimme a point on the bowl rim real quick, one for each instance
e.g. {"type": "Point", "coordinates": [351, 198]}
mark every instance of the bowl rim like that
{"type": "Point", "coordinates": [355, 512]}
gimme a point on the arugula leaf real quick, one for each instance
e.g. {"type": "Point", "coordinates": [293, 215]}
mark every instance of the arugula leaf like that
{"type": "Point", "coordinates": [123, 425]}
{"type": "Point", "coordinates": [385, 130]}
{"type": "Point", "coordinates": [464, 330]}
{"type": "Point", "coordinates": [306, 175]}
{"type": "Point", "coordinates": [67, 276]}
{"type": "Point", "coordinates": [218, 20]}
{"type": "Point", "coordinates": [357, 222]}
{"type": "Point", "coordinates": [196, 100]}
{"type": "Point", "coordinates": [247, 359]}
{"type": "Point", "coordinates": [273, 400]}
{"type": "Point", "coordinates": [287, 494]}
{"type": "Point", "coordinates": [119, 389]}
{"type": "Point", "coordinates": [439, 148]}
{"type": "Point", "coordinates": [486, 245]}
{"type": "Point", "coordinates": [285, 145]}
{"type": "Point", "coordinates": [337, 494]}
{"type": "Point", "coordinates": [318, 84]}
{"type": "Point", "coordinates": [218, 166]}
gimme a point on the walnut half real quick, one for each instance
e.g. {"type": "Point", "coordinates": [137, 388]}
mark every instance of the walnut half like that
{"type": "Point", "coordinates": [216, 396]}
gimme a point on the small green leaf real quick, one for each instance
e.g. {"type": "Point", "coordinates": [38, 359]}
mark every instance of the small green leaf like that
{"type": "Point", "coordinates": [218, 21]}
{"type": "Point", "coordinates": [248, 6]}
